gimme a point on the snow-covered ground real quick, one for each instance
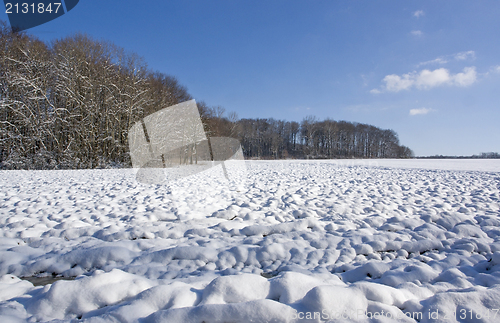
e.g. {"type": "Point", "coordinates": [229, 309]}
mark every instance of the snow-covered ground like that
{"type": "Point", "coordinates": [297, 241]}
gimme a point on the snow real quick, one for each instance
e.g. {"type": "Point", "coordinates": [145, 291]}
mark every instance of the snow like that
{"type": "Point", "coordinates": [293, 241]}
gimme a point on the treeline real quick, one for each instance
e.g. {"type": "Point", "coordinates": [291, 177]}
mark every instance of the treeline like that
{"type": "Point", "coordinates": [277, 139]}
{"type": "Point", "coordinates": [69, 104]}
{"type": "Point", "coordinates": [488, 155]}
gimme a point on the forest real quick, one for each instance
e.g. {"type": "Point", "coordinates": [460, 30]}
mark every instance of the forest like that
{"type": "Point", "coordinates": [69, 105]}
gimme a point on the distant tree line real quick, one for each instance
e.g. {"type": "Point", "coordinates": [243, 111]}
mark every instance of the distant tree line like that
{"type": "Point", "coordinates": [279, 139]}
{"type": "Point", "coordinates": [69, 104]}
{"type": "Point", "coordinates": [488, 155]}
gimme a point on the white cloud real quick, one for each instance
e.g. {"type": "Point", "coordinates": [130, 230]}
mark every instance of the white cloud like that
{"type": "Point", "coordinates": [396, 83]}
{"type": "Point", "coordinates": [418, 13]}
{"type": "Point", "coordinates": [417, 33]}
{"type": "Point", "coordinates": [375, 91]}
{"type": "Point", "coordinates": [414, 112]}
{"type": "Point", "coordinates": [427, 79]}
{"type": "Point", "coordinates": [468, 77]}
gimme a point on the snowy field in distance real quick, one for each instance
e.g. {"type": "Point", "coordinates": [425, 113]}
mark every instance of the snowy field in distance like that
{"type": "Point", "coordinates": [297, 241]}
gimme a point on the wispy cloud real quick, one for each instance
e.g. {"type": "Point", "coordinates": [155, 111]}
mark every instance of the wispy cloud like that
{"type": "Point", "coordinates": [302, 108]}
{"type": "Point", "coordinates": [492, 70]}
{"type": "Point", "coordinates": [365, 79]}
{"type": "Point", "coordinates": [462, 56]}
{"type": "Point", "coordinates": [417, 33]}
{"type": "Point", "coordinates": [418, 13]}
{"type": "Point", "coordinates": [439, 60]}
{"type": "Point", "coordinates": [414, 112]}
{"type": "Point", "coordinates": [358, 108]}
{"type": "Point", "coordinates": [427, 79]}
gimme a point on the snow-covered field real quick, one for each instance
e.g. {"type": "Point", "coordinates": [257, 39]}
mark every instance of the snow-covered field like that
{"type": "Point", "coordinates": [298, 241]}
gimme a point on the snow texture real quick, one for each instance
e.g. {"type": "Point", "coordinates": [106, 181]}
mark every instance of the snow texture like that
{"type": "Point", "coordinates": [296, 241]}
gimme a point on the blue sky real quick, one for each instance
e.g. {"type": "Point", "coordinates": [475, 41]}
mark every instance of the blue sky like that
{"type": "Point", "coordinates": [430, 70]}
